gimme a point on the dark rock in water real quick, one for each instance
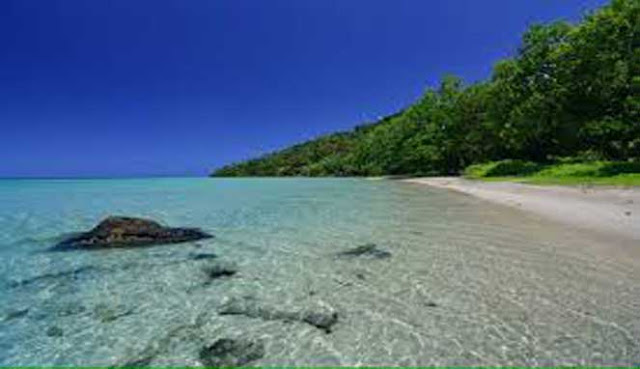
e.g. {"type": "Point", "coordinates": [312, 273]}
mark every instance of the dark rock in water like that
{"type": "Point", "coordinates": [249, 308]}
{"type": "Point", "coordinates": [55, 331]}
{"type": "Point", "coordinates": [70, 275]}
{"type": "Point", "coordinates": [368, 250]}
{"type": "Point", "coordinates": [231, 352]}
{"type": "Point", "coordinates": [216, 271]}
{"type": "Point", "coordinates": [430, 304]}
{"type": "Point", "coordinates": [70, 310]}
{"type": "Point", "coordinates": [343, 283]}
{"type": "Point", "coordinates": [322, 321]}
{"type": "Point", "coordinates": [204, 256]}
{"type": "Point", "coordinates": [15, 314]}
{"type": "Point", "coordinates": [138, 363]}
{"type": "Point", "coordinates": [115, 232]}
{"type": "Point", "coordinates": [107, 314]}
{"type": "Point", "coordinates": [156, 348]}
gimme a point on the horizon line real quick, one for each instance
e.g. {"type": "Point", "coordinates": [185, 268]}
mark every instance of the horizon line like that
{"type": "Point", "coordinates": [143, 176]}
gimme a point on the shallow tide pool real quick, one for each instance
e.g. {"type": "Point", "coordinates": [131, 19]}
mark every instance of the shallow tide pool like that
{"type": "Point", "coordinates": [466, 283]}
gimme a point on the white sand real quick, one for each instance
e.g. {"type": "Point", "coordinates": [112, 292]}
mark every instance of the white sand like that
{"type": "Point", "coordinates": [608, 210]}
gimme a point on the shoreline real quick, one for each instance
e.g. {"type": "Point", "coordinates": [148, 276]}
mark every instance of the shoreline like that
{"type": "Point", "coordinates": [610, 210]}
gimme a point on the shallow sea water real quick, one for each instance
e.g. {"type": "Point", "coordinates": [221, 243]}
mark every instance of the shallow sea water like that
{"type": "Point", "coordinates": [467, 283]}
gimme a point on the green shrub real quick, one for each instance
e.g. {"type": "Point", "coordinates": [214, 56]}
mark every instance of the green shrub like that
{"type": "Point", "coordinates": [616, 168]}
{"type": "Point", "coordinates": [565, 171]}
{"type": "Point", "coordinates": [502, 168]}
{"type": "Point", "coordinates": [591, 169]}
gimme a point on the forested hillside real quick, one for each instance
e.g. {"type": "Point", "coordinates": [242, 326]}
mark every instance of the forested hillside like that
{"type": "Point", "coordinates": [571, 90]}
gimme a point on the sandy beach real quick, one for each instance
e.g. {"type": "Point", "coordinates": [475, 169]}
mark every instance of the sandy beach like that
{"type": "Point", "coordinates": [614, 211]}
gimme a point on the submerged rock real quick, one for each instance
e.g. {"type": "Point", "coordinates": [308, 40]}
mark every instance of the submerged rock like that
{"type": "Point", "coordinates": [107, 314]}
{"type": "Point", "coordinates": [204, 256]}
{"type": "Point", "coordinates": [159, 347]}
{"type": "Point", "coordinates": [216, 271]}
{"type": "Point", "coordinates": [114, 232]}
{"type": "Point", "coordinates": [70, 310]}
{"type": "Point", "coordinates": [69, 275]}
{"type": "Point", "coordinates": [321, 319]}
{"type": "Point", "coordinates": [369, 250]}
{"type": "Point", "coordinates": [138, 363]}
{"type": "Point", "coordinates": [231, 352]}
{"type": "Point", "coordinates": [15, 314]}
{"type": "Point", "coordinates": [55, 331]}
{"type": "Point", "coordinates": [247, 307]}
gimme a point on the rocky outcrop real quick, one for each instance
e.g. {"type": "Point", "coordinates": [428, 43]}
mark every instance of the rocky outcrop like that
{"type": "Point", "coordinates": [117, 232]}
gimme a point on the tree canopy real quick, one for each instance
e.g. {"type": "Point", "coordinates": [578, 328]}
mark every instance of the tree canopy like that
{"type": "Point", "coordinates": [570, 90]}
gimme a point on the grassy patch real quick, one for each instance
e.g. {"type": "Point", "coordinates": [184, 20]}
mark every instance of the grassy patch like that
{"type": "Point", "coordinates": [502, 168]}
{"type": "Point", "coordinates": [561, 173]}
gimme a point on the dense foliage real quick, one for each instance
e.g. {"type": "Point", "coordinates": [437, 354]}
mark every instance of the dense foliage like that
{"type": "Point", "coordinates": [570, 90]}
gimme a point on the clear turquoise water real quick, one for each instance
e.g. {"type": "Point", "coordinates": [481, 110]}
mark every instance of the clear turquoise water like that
{"type": "Point", "coordinates": [468, 283]}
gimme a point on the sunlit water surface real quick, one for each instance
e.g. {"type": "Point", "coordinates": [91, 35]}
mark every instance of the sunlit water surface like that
{"type": "Point", "coordinates": [467, 282]}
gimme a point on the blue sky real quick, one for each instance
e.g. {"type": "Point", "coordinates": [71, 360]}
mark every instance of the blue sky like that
{"type": "Point", "coordinates": [178, 87]}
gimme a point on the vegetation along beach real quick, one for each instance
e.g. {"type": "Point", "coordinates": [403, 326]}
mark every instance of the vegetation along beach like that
{"type": "Point", "coordinates": [571, 92]}
{"type": "Point", "coordinates": [492, 221]}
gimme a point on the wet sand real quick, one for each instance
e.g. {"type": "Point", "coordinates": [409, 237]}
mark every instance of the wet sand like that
{"type": "Point", "coordinates": [608, 210]}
